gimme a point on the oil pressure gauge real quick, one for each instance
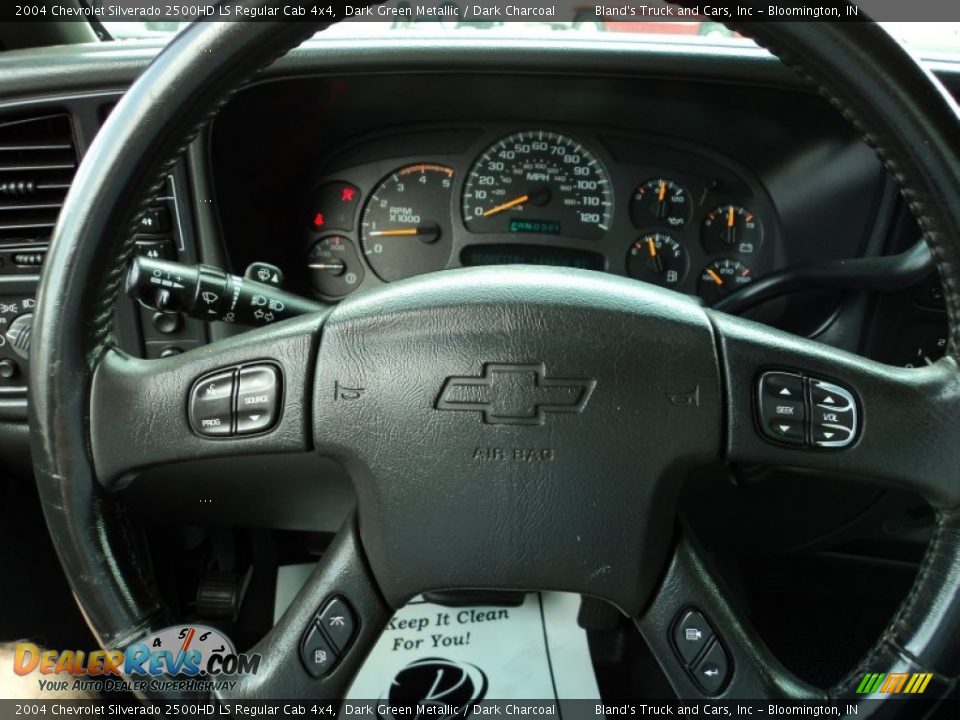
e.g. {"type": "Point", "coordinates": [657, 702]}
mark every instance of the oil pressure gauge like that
{"type": "Point", "coordinates": [660, 199]}
{"type": "Point", "coordinates": [659, 259]}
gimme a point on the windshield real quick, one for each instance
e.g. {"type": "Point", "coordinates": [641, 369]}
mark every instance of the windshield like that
{"type": "Point", "coordinates": [931, 40]}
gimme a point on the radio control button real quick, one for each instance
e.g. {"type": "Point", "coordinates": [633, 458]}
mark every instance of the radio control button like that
{"type": "Point", "coordinates": [258, 398]}
{"type": "Point", "coordinates": [211, 405]}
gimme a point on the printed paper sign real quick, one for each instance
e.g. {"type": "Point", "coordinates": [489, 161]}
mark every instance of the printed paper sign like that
{"type": "Point", "coordinates": [457, 655]}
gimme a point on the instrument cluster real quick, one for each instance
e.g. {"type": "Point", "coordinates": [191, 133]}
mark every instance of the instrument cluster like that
{"type": "Point", "coordinates": [652, 208]}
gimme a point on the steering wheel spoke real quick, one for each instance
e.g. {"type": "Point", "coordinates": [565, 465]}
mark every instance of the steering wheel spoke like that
{"type": "Point", "coordinates": [301, 660]}
{"type": "Point", "coordinates": [244, 395]}
{"type": "Point", "coordinates": [903, 420]}
{"type": "Point", "coordinates": [703, 646]}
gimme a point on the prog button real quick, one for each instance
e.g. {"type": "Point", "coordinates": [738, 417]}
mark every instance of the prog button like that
{"type": "Point", "coordinates": [211, 404]}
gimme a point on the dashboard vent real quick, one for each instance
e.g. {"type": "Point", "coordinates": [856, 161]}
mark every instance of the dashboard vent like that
{"type": "Point", "coordinates": [37, 161]}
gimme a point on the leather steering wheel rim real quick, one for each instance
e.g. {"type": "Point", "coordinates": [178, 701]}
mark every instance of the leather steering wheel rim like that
{"type": "Point", "coordinates": [899, 107]}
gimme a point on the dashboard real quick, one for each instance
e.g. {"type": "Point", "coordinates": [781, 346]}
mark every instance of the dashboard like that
{"type": "Point", "coordinates": [351, 165]}
{"type": "Point", "coordinates": [347, 166]}
{"type": "Point", "coordinates": [693, 185]}
{"type": "Point", "coordinates": [430, 198]}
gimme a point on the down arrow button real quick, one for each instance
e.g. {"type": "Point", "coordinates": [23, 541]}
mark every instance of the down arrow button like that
{"type": "Point", "coordinates": [258, 398]}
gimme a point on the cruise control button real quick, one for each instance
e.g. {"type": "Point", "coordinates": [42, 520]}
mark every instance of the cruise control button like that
{"type": "Point", "coordinates": [713, 671]}
{"type": "Point", "coordinates": [211, 405]}
{"type": "Point", "coordinates": [258, 398]}
{"type": "Point", "coordinates": [691, 635]}
{"type": "Point", "coordinates": [316, 653]}
{"type": "Point", "coordinates": [336, 619]}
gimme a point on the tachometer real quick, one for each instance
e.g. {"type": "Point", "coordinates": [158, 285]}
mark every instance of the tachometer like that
{"type": "Point", "coordinates": [405, 228]}
{"type": "Point", "coordinates": [540, 183]}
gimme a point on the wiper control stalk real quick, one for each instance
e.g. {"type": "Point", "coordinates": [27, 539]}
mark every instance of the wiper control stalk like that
{"type": "Point", "coordinates": [208, 293]}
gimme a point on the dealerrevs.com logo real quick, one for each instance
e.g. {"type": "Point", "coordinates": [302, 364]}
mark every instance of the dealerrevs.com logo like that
{"type": "Point", "coordinates": [184, 657]}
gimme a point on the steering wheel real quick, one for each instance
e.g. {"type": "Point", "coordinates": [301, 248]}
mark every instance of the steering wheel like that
{"type": "Point", "coordinates": [535, 424]}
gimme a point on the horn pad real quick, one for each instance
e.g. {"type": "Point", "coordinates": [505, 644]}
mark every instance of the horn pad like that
{"type": "Point", "coordinates": [518, 428]}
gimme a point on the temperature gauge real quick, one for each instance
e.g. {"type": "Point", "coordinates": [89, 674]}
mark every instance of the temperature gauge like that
{"type": "Point", "coordinates": [660, 199]}
{"type": "Point", "coordinates": [732, 228]}
{"type": "Point", "coordinates": [722, 277]}
{"type": "Point", "coordinates": [334, 266]}
{"type": "Point", "coordinates": [659, 259]}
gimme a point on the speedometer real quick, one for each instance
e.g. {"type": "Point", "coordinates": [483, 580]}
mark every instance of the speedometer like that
{"type": "Point", "coordinates": [541, 183]}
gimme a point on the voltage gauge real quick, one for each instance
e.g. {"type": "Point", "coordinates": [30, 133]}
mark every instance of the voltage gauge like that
{"type": "Point", "coordinates": [732, 228]}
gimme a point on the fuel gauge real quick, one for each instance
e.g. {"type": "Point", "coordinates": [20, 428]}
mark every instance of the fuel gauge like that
{"type": "Point", "coordinates": [659, 259]}
{"type": "Point", "coordinates": [722, 277]}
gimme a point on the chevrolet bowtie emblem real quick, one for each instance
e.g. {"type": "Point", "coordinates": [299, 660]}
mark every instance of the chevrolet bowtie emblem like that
{"type": "Point", "coordinates": [515, 394]}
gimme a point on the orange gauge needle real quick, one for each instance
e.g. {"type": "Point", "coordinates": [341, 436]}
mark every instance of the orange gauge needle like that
{"type": "Point", "coordinates": [400, 231]}
{"type": "Point", "coordinates": [652, 247]}
{"type": "Point", "coordinates": [713, 276]}
{"type": "Point", "coordinates": [427, 233]}
{"type": "Point", "coordinates": [731, 221]}
{"type": "Point", "coordinates": [507, 205]}
{"type": "Point", "coordinates": [663, 191]}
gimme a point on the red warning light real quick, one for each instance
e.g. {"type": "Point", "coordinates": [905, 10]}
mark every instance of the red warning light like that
{"type": "Point", "coordinates": [346, 194]}
{"type": "Point", "coordinates": [319, 220]}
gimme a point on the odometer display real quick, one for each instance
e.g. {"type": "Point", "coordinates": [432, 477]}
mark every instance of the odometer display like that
{"type": "Point", "coordinates": [538, 181]}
